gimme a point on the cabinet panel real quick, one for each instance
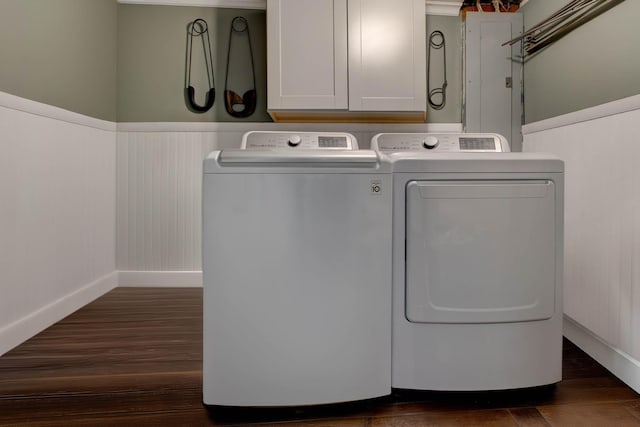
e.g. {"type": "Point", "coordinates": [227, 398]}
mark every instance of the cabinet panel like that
{"type": "Point", "coordinates": [387, 52]}
{"type": "Point", "coordinates": [307, 54]}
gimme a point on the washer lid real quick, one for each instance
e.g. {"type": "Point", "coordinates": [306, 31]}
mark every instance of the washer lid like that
{"type": "Point", "coordinates": [293, 157]}
{"type": "Point", "coordinates": [294, 161]}
{"type": "Point", "coordinates": [296, 152]}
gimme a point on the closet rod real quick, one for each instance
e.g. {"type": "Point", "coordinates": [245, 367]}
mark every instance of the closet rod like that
{"type": "Point", "coordinates": [570, 26]}
{"type": "Point", "coordinates": [549, 30]}
{"type": "Point", "coordinates": [555, 19]}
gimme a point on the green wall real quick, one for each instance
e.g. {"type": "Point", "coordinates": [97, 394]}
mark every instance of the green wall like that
{"type": "Point", "coordinates": [61, 52]}
{"type": "Point", "coordinates": [151, 63]}
{"type": "Point", "coordinates": [451, 27]}
{"type": "Point", "coordinates": [152, 50]}
{"type": "Point", "coordinates": [594, 64]}
{"type": "Point", "coordinates": [126, 63]}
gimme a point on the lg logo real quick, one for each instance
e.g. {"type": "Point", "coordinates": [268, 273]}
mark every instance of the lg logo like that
{"type": "Point", "coordinates": [376, 187]}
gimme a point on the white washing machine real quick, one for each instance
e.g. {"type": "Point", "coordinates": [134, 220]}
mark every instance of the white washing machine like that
{"type": "Point", "coordinates": [477, 263]}
{"type": "Point", "coordinates": [297, 271]}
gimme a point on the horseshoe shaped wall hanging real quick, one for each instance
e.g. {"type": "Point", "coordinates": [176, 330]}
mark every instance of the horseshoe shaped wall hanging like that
{"type": "Point", "coordinates": [199, 28]}
{"type": "Point", "coordinates": [236, 105]}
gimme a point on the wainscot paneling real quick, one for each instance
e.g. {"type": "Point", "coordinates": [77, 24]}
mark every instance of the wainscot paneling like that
{"type": "Point", "coordinates": [602, 228]}
{"type": "Point", "coordinates": [159, 172]}
{"type": "Point", "coordinates": [57, 215]}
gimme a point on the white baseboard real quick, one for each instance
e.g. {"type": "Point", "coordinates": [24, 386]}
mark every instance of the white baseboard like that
{"type": "Point", "coordinates": [163, 279]}
{"type": "Point", "coordinates": [21, 330]}
{"type": "Point", "coordinates": [618, 362]}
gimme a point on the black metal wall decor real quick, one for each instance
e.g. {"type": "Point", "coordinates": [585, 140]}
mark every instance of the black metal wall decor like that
{"type": "Point", "coordinates": [199, 28]}
{"type": "Point", "coordinates": [436, 43]}
{"type": "Point", "coordinates": [236, 105]}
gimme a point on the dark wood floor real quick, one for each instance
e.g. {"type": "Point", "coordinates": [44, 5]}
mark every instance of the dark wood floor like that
{"type": "Point", "coordinates": [133, 358]}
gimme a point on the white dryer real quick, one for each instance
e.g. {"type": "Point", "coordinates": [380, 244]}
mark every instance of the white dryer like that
{"type": "Point", "coordinates": [297, 271]}
{"type": "Point", "coordinates": [477, 263]}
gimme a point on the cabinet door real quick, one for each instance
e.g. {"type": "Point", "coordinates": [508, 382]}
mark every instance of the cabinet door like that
{"type": "Point", "coordinates": [307, 54]}
{"type": "Point", "coordinates": [387, 67]}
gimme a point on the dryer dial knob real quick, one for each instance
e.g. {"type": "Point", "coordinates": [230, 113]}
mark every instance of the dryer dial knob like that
{"type": "Point", "coordinates": [294, 140]}
{"type": "Point", "coordinates": [430, 142]}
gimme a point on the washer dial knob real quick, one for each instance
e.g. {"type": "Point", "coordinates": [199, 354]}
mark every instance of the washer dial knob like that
{"type": "Point", "coordinates": [430, 142]}
{"type": "Point", "coordinates": [294, 140]}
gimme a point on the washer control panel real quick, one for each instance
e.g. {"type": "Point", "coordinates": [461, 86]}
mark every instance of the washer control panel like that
{"type": "Point", "coordinates": [261, 140]}
{"type": "Point", "coordinates": [440, 142]}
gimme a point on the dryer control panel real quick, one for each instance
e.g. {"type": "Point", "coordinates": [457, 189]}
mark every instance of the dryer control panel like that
{"type": "Point", "coordinates": [261, 140]}
{"type": "Point", "coordinates": [440, 142]}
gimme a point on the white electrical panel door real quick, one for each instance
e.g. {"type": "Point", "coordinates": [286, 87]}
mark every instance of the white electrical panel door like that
{"type": "Point", "coordinates": [493, 85]}
{"type": "Point", "coordinates": [471, 259]}
{"type": "Point", "coordinates": [387, 51]}
{"type": "Point", "coordinates": [307, 54]}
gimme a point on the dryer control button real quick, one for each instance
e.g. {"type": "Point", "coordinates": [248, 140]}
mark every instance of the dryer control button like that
{"type": "Point", "coordinates": [430, 142]}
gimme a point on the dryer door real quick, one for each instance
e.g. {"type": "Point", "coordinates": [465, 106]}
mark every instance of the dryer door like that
{"type": "Point", "coordinates": [480, 251]}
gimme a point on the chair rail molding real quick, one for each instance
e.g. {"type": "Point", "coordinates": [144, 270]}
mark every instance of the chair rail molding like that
{"type": "Point", "coordinates": [233, 4]}
{"type": "Point", "coordinates": [433, 7]}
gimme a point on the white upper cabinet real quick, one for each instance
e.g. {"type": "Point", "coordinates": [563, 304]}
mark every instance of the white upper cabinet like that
{"type": "Point", "coordinates": [387, 70]}
{"type": "Point", "coordinates": [346, 59]}
{"type": "Point", "coordinates": [307, 54]}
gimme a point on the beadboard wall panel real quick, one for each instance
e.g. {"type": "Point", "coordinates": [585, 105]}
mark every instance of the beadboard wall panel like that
{"type": "Point", "coordinates": [602, 219]}
{"type": "Point", "coordinates": [159, 173]}
{"type": "Point", "coordinates": [57, 215]}
{"type": "Point", "coordinates": [159, 184]}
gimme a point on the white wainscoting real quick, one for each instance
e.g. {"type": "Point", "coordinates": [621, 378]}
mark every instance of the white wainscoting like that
{"type": "Point", "coordinates": [159, 170]}
{"type": "Point", "coordinates": [601, 150]}
{"type": "Point", "coordinates": [57, 215]}
{"type": "Point", "coordinates": [80, 201]}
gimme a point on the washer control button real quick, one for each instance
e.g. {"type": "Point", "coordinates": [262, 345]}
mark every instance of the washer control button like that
{"type": "Point", "coordinates": [430, 142]}
{"type": "Point", "coordinates": [294, 140]}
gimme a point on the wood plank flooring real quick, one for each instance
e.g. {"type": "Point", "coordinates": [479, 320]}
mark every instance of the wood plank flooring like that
{"type": "Point", "coordinates": [134, 358]}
